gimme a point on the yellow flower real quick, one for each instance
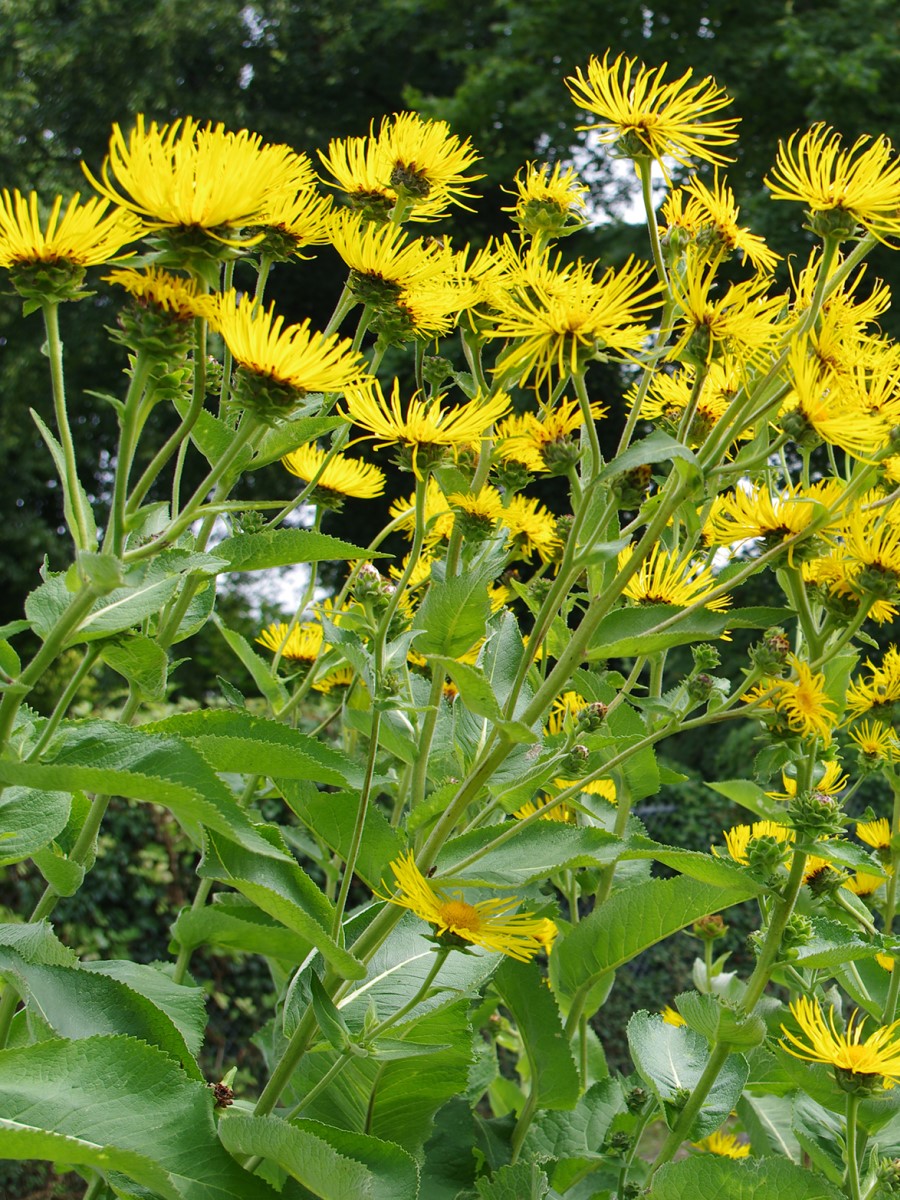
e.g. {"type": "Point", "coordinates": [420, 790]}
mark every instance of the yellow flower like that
{"type": "Point", "coordinates": [872, 552]}
{"type": "Point", "coordinates": [294, 357]}
{"type": "Point", "coordinates": [710, 218]}
{"type": "Point", "coordinates": [875, 741]}
{"type": "Point", "coordinates": [339, 677]}
{"type": "Point", "coordinates": [531, 527]}
{"type": "Point", "coordinates": [548, 201]}
{"type": "Point", "coordinates": [885, 960]}
{"type": "Point", "coordinates": [605, 788]}
{"type": "Point", "coordinates": [491, 924]}
{"type": "Point", "coordinates": [880, 690]}
{"type": "Point", "coordinates": [302, 643]}
{"type": "Point", "coordinates": [830, 783]}
{"type": "Point", "coordinates": [559, 812]}
{"type": "Point", "coordinates": [83, 236]}
{"type": "Point", "coordinates": [664, 579]}
{"type": "Point", "coordinates": [534, 440]}
{"type": "Point", "coordinates": [438, 516]}
{"type": "Point", "coordinates": [561, 323]}
{"type": "Point", "coordinates": [876, 834]}
{"type": "Point", "coordinates": [565, 706]}
{"type": "Point", "coordinates": [425, 160]}
{"type": "Point", "coordinates": [739, 837]}
{"type": "Point", "coordinates": [294, 220]}
{"type": "Point", "coordinates": [189, 176]}
{"type": "Point", "coordinates": [170, 293]}
{"type": "Point", "coordinates": [670, 394]}
{"type": "Point", "coordinates": [841, 188]}
{"type": "Point", "coordinates": [383, 260]}
{"type": "Point", "coordinates": [647, 118]}
{"type": "Point", "coordinates": [877, 1055]}
{"type": "Point", "coordinates": [425, 426]}
{"type": "Point", "coordinates": [803, 700]}
{"type": "Point", "coordinates": [863, 884]}
{"type": "Point", "coordinates": [334, 472]}
{"type": "Point", "coordinates": [482, 508]}
{"type": "Point", "coordinates": [672, 1017]}
{"type": "Point", "coordinates": [727, 1145]}
{"type": "Point", "coordinates": [742, 320]}
{"type": "Point", "coordinates": [757, 513]}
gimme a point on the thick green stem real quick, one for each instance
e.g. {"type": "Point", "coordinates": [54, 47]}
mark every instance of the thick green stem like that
{"type": "Point", "coordinates": [853, 1190]}
{"type": "Point", "coordinates": [62, 705]}
{"type": "Point", "coordinates": [128, 438]}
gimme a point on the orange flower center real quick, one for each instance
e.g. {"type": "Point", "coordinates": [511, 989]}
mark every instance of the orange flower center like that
{"type": "Point", "coordinates": [456, 914]}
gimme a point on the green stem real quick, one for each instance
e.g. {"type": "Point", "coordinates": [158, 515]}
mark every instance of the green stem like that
{"type": "Point", "coordinates": [525, 1117]}
{"type": "Point", "coordinates": [62, 705]}
{"type": "Point", "coordinates": [128, 436]}
{"type": "Point", "coordinates": [185, 953]}
{"type": "Point", "coordinates": [584, 404]}
{"type": "Point", "coordinates": [852, 1164]}
{"type": "Point", "coordinates": [643, 1121]}
{"type": "Point", "coordinates": [890, 1004]}
{"type": "Point", "coordinates": [77, 518]}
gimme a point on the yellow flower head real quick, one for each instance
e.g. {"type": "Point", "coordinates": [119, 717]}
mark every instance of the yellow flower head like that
{"type": "Point", "coordinates": [875, 741]}
{"type": "Point", "coordinates": [739, 837]}
{"type": "Point", "coordinates": [531, 527]}
{"type": "Point", "coordinates": [438, 516]}
{"type": "Point", "coordinates": [559, 812]}
{"type": "Point", "coordinates": [878, 1055]}
{"type": "Point", "coordinates": [863, 884]}
{"type": "Point", "coordinates": [742, 320]}
{"type": "Point", "coordinates": [880, 690]}
{"type": "Point", "coordinates": [425, 426]}
{"type": "Point", "coordinates": [710, 218]}
{"type": "Point", "coordinates": [492, 924]}
{"type": "Point", "coordinates": [841, 188]}
{"type": "Point", "coordinates": [647, 118]}
{"type": "Point", "coordinates": [726, 1145]}
{"type": "Point", "coordinates": [536, 440]}
{"type": "Point", "coordinates": [293, 357]}
{"type": "Point", "coordinates": [85, 235]}
{"type": "Point", "coordinates": [669, 395]}
{"type": "Point", "coordinates": [561, 320]}
{"type": "Point", "coordinates": [425, 160]}
{"type": "Point", "coordinates": [302, 643]}
{"type": "Point", "coordinates": [876, 834]}
{"type": "Point", "coordinates": [830, 783]}
{"type": "Point", "coordinates": [294, 220]}
{"type": "Point", "coordinates": [803, 701]}
{"type": "Point", "coordinates": [566, 706]}
{"type": "Point", "coordinates": [383, 260]}
{"type": "Point", "coordinates": [548, 200]}
{"type": "Point", "coordinates": [169, 293]}
{"type": "Point", "coordinates": [758, 513]}
{"type": "Point", "coordinates": [189, 176]}
{"type": "Point", "coordinates": [334, 472]}
{"type": "Point", "coordinates": [663, 578]}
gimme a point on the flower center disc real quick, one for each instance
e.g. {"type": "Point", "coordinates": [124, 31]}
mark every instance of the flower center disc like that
{"type": "Point", "coordinates": [456, 914]}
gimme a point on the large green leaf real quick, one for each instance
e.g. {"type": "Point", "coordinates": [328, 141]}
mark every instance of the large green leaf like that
{"type": "Point", "coordinates": [630, 921]}
{"type": "Point", "coordinates": [833, 944]}
{"type": "Point", "coordinates": [36, 942]}
{"type": "Point", "coordinates": [30, 818]}
{"type": "Point", "coordinates": [240, 926]}
{"type": "Point", "coordinates": [580, 1132]}
{"type": "Point", "coordinates": [628, 632]}
{"type": "Point", "coordinates": [240, 742]}
{"type": "Point", "coordinates": [284, 891]}
{"type": "Point", "coordinates": [671, 1060]}
{"type": "Point", "coordinates": [141, 661]}
{"type": "Point", "coordinates": [185, 1006]}
{"type": "Point", "coordinates": [554, 1077]}
{"type": "Point", "coordinates": [287, 436]}
{"type": "Point", "coordinates": [283, 548]}
{"type": "Point", "coordinates": [333, 1164]}
{"type": "Point", "coordinates": [531, 852]}
{"type": "Point", "coordinates": [767, 1119]}
{"type": "Point", "coordinates": [101, 756]}
{"type": "Point", "coordinates": [269, 685]}
{"type": "Point", "coordinates": [332, 817]}
{"type": "Point", "coordinates": [708, 868]}
{"type": "Point", "coordinates": [114, 1103]}
{"type": "Point", "coordinates": [77, 1003]}
{"type": "Point", "coordinates": [453, 615]}
{"type": "Point", "coordinates": [708, 1177]}
{"type": "Point", "coordinates": [520, 1181]}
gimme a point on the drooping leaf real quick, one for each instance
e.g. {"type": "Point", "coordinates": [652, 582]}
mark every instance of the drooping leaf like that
{"type": "Point", "coordinates": [115, 1103]}
{"type": "Point", "coordinates": [532, 852]}
{"type": "Point", "coordinates": [245, 927]}
{"type": "Point", "coordinates": [184, 1005]}
{"type": "Point", "coordinates": [333, 1164]}
{"type": "Point", "coordinates": [284, 548]}
{"type": "Point", "coordinates": [30, 818]}
{"type": "Point", "coordinates": [628, 632]}
{"type": "Point", "coordinates": [554, 1076]}
{"type": "Point", "coordinates": [671, 1060]}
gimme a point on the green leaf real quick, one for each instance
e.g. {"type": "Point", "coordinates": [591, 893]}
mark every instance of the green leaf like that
{"type": "Point", "coordinates": [708, 1177]}
{"type": "Point", "coordinates": [284, 547]}
{"type": "Point", "coordinates": [36, 942]}
{"type": "Point", "coordinates": [530, 853]}
{"type": "Point", "coordinates": [213, 437]}
{"type": "Point", "coordinates": [630, 921]}
{"type": "Point", "coordinates": [185, 1006]}
{"type": "Point", "coordinates": [553, 1073]}
{"type": "Point", "coordinates": [269, 685]}
{"type": "Point", "coordinates": [64, 876]}
{"type": "Point", "coordinates": [141, 661]}
{"type": "Point", "coordinates": [750, 796]}
{"type": "Point", "coordinates": [708, 1016]}
{"type": "Point", "coordinates": [708, 868]}
{"type": "Point", "coordinates": [453, 615]}
{"type": "Point", "coordinates": [236, 741]}
{"type": "Point", "coordinates": [331, 816]}
{"type": "Point", "coordinates": [77, 1003]}
{"type": "Point", "coordinates": [30, 819]}
{"type": "Point", "coordinates": [581, 1132]}
{"type": "Point", "coordinates": [521, 1181]}
{"type": "Point", "coordinates": [102, 756]}
{"type": "Point", "coordinates": [628, 632]}
{"type": "Point", "coordinates": [333, 1164]}
{"type": "Point", "coordinates": [767, 1120]}
{"type": "Point", "coordinates": [284, 891]}
{"type": "Point", "coordinates": [820, 1134]}
{"type": "Point", "coordinates": [239, 927]}
{"type": "Point", "coordinates": [832, 944]}
{"type": "Point", "coordinates": [10, 663]}
{"type": "Point", "coordinates": [671, 1060]}
{"type": "Point", "coordinates": [69, 485]}
{"type": "Point", "coordinates": [116, 1103]}
{"type": "Point", "coordinates": [478, 697]}
{"type": "Point", "coordinates": [284, 438]}
{"type": "Point", "coordinates": [449, 1161]}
